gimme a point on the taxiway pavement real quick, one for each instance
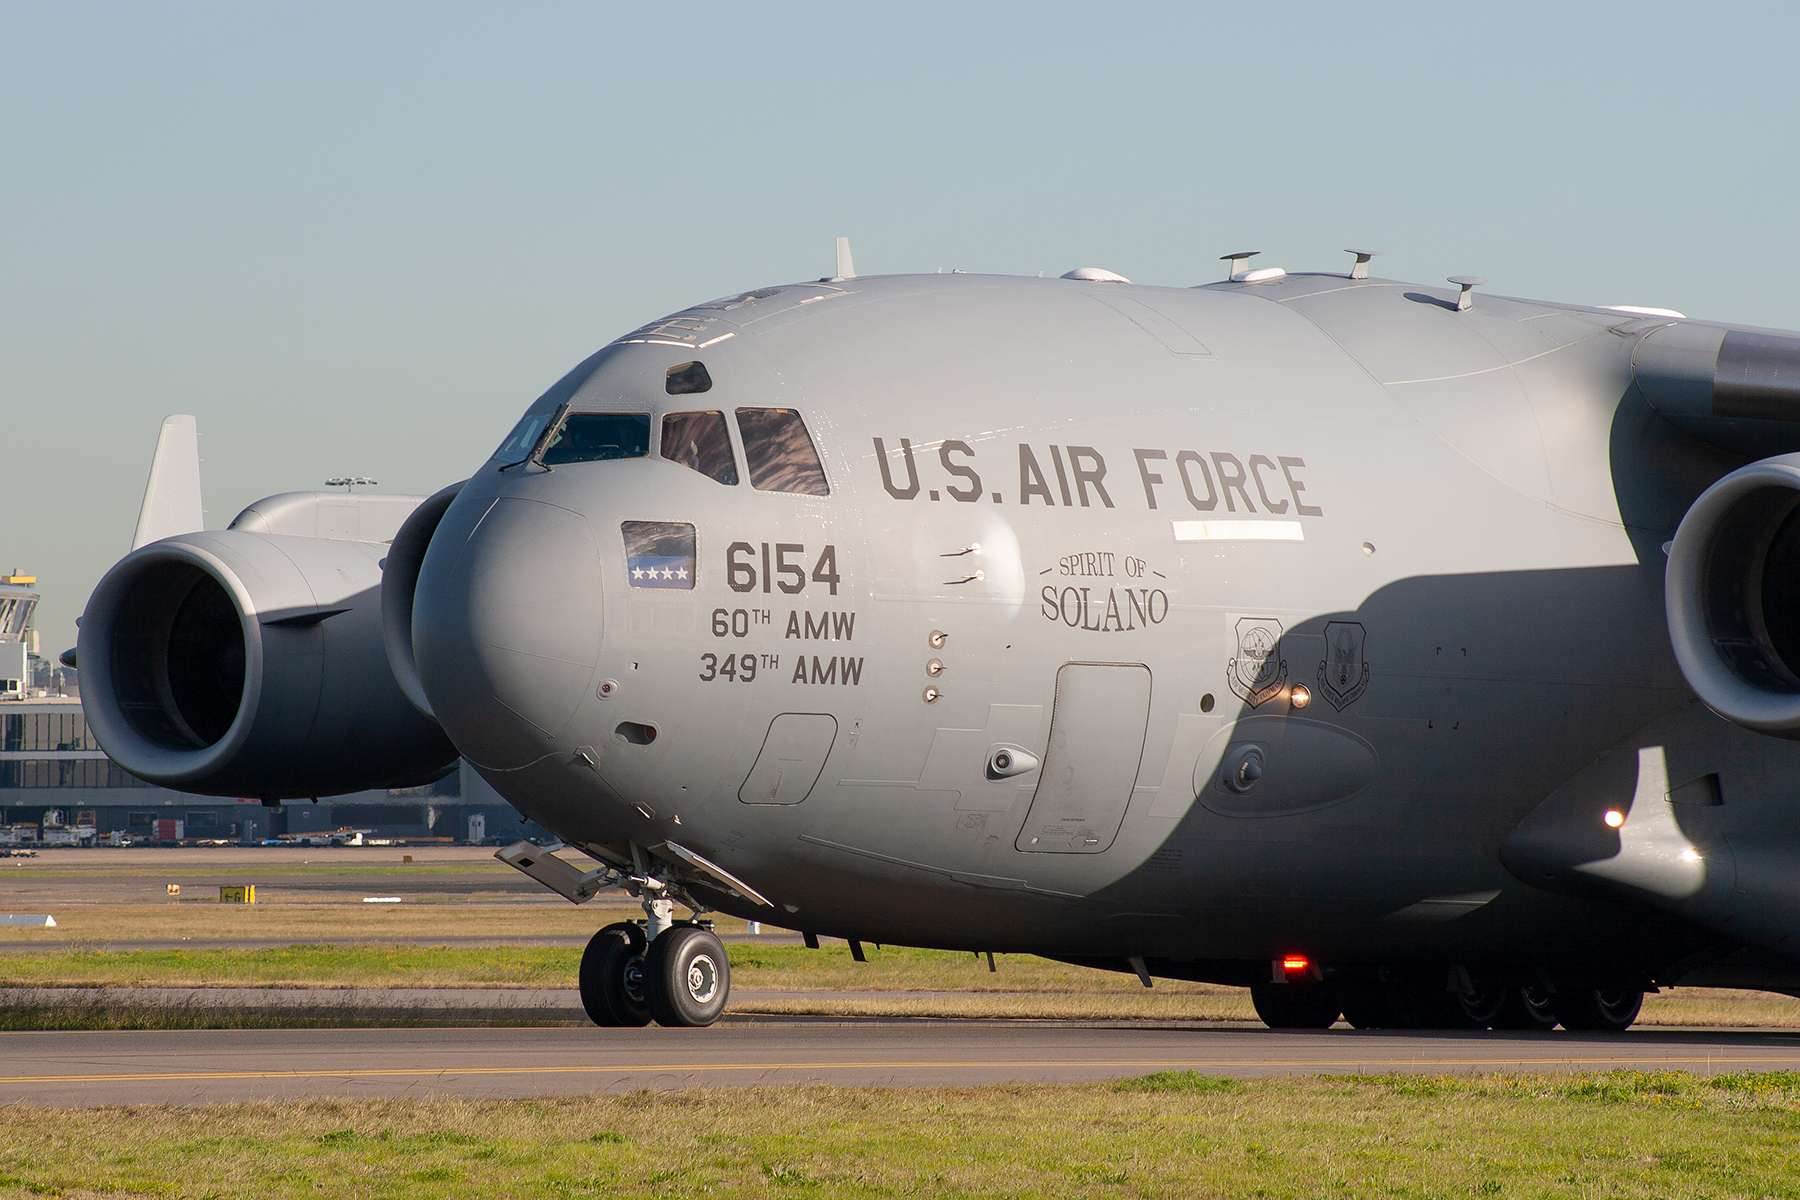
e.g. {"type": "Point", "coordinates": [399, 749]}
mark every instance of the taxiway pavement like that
{"type": "Point", "coordinates": [203, 1066]}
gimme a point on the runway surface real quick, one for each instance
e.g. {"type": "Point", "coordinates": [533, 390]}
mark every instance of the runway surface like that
{"type": "Point", "coordinates": [191, 1067]}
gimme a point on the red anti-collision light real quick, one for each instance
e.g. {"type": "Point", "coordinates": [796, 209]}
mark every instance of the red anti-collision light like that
{"type": "Point", "coordinates": [1295, 962]}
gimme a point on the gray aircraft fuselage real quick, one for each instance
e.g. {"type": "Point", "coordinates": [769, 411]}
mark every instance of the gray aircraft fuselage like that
{"type": "Point", "coordinates": [1327, 619]}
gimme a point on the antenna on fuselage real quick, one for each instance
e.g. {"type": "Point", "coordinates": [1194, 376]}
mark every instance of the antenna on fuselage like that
{"type": "Point", "coordinates": [1239, 263]}
{"type": "Point", "coordinates": [1360, 269]}
{"type": "Point", "coordinates": [1465, 299]}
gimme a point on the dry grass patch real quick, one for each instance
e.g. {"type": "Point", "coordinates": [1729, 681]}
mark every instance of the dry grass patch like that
{"type": "Point", "coordinates": [1729, 1007]}
{"type": "Point", "coordinates": [899, 968]}
{"type": "Point", "coordinates": [327, 966]}
{"type": "Point", "coordinates": [80, 962]}
{"type": "Point", "coordinates": [1174, 1134]}
{"type": "Point", "coordinates": [413, 920]}
{"type": "Point", "coordinates": [1231, 1005]}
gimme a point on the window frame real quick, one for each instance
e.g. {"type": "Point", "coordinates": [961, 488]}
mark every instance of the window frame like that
{"type": "Point", "coordinates": [749, 475]}
{"type": "Point", "coordinates": [652, 438]}
{"type": "Point", "coordinates": [739, 465]}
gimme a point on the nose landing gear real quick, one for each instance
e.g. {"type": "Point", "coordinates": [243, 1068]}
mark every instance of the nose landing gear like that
{"type": "Point", "coordinates": [612, 977]}
{"type": "Point", "coordinates": [687, 977]}
{"type": "Point", "coordinates": [679, 978]}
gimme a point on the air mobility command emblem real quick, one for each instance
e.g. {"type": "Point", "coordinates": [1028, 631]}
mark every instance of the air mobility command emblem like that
{"type": "Point", "coordinates": [1258, 672]}
{"type": "Point", "coordinates": [1344, 674]}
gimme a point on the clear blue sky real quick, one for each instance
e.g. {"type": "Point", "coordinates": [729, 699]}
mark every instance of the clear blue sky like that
{"type": "Point", "coordinates": [359, 238]}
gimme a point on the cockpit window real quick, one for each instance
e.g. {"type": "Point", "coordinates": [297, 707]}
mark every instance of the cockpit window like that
{"type": "Point", "coordinates": [524, 436]}
{"type": "Point", "coordinates": [594, 437]}
{"type": "Point", "coordinates": [779, 452]}
{"type": "Point", "coordinates": [519, 443]}
{"type": "Point", "coordinates": [659, 554]}
{"type": "Point", "coordinates": [699, 440]}
{"type": "Point", "coordinates": [687, 379]}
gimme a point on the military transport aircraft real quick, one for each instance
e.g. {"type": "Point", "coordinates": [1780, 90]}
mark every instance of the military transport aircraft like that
{"type": "Point", "coordinates": [1410, 654]}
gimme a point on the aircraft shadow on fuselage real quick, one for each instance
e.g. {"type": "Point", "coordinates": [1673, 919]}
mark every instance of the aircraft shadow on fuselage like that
{"type": "Point", "coordinates": [1479, 695]}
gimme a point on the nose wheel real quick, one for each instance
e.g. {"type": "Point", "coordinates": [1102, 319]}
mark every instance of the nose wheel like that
{"type": "Point", "coordinates": [612, 977]}
{"type": "Point", "coordinates": [687, 977]}
{"type": "Point", "coordinates": [682, 979]}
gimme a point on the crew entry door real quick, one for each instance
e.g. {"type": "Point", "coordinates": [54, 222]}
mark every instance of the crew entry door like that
{"type": "Point", "coordinates": [1091, 764]}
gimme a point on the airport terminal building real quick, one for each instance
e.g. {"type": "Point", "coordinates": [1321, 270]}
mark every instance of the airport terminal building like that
{"type": "Point", "coordinates": [55, 779]}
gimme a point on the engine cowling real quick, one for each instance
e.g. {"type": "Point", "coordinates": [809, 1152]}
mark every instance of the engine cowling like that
{"type": "Point", "coordinates": [1732, 591]}
{"type": "Point", "coordinates": [250, 661]}
{"type": "Point", "coordinates": [400, 583]}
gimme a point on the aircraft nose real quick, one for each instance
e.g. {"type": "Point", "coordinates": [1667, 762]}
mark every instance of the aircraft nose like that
{"type": "Point", "coordinates": [506, 630]}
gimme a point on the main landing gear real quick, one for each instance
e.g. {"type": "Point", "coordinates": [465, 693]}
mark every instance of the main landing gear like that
{"type": "Point", "coordinates": [672, 972]}
{"type": "Point", "coordinates": [1317, 1005]}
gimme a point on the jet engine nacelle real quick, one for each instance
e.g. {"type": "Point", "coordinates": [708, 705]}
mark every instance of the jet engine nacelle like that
{"type": "Point", "coordinates": [249, 661]}
{"type": "Point", "coordinates": [1733, 596]}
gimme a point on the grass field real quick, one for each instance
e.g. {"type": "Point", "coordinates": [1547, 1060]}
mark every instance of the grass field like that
{"type": "Point", "coordinates": [753, 965]}
{"type": "Point", "coordinates": [920, 983]}
{"type": "Point", "coordinates": [1168, 1135]}
{"type": "Point", "coordinates": [418, 919]}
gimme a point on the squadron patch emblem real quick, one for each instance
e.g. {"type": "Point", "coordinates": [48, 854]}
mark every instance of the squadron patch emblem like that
{"type": "Point", "coordinates": [1258, 672]}
{"type": "Point", "coordinates": [1344, 673]}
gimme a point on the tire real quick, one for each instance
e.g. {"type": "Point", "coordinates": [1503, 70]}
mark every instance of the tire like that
{"type": "Point", "coordinates": [612, 977]}
{"type": "Point", "coordinates": [1597, 1010]}
{"type": "Point", "coordinates": [1526, 1008]}
{"type": "Point", "coordinates": [1295, 1006]}
{"type": "Point", "coordinates": [1487, 1008]}
{"type": "Point", "coordinates": [687, 977]}
{"type": "Point", "coordinates": [1364, 1006]}
{"type": "Point", "coordinates": [1395, 1006]}
{"type": "Point", "coordinates": [1426, 1008]}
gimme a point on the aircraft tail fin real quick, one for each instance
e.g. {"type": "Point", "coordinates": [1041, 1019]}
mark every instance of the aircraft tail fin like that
{"type": "Point", "coordinates": [172, 496]}
{"type": "Point", "coordinates": [846, 268]}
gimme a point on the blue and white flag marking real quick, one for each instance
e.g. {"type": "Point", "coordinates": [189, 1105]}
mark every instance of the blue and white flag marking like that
{"type": "Point", "coordinates": [659, 571]}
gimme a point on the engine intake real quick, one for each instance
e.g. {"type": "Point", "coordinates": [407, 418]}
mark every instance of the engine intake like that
{"type": "Point", "coordinates": [251, 664]}
{"type": "Point", "coordinates": [1733, 596]}
{"type": "Point", "coordinates": [400, 583]}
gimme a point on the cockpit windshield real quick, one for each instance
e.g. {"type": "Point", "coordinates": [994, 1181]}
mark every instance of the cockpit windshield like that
{"type": "Point", "coordinates": [779, 452]}
{"type": "Point", "coordinates": [522, 440]}
{"type": "Point", "coordinates": [594, 437]}
{"type": "Point", "coordinates": [698, 440]}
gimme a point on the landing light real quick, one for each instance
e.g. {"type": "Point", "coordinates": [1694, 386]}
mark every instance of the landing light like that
{"type": "Point", "coordinates": [1300, 697]}
{"type": "Point", "coordinates": [1614, 817]}
{"type": "Point", "coordinates": [1295, 962]}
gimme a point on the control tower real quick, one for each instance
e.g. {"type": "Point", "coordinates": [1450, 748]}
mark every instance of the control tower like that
{"type": "Point", "coordinates": [18, 640]}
